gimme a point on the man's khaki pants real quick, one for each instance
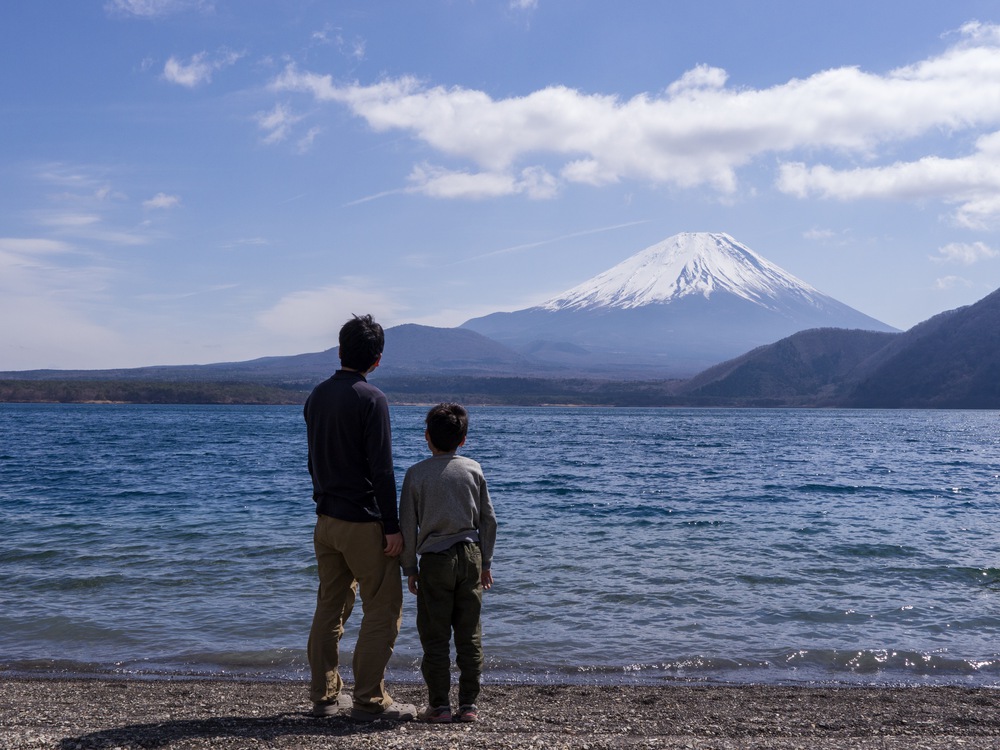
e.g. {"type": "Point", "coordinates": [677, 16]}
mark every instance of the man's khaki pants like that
{"type": "Point", "coordinates": [351, 555]}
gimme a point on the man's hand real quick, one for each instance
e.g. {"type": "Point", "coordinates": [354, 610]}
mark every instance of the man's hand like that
{"type": "Point", "coordinates": [411, 584]}
{"type": "Point", "coordinates": [393, 544]}
{"type": "Point", "coordinates": [486, 579]}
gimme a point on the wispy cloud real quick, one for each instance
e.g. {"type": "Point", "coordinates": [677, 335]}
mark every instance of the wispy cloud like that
{"type": "Point", "coordinates": [28, 246]}
{"type": "Point", "coordinates": [314, 316]}
{"type": "Point", "coordinates": [947, 283]}
{"type": "Point", "coordinates": [352, 47]}
{"type": "Point", "coordinates": [155, 8]}
{"type": "Point", "coordinates": [819, 234]}
{"type": "Point", "coordinates": [443, 183]}
{"type": "Point", "coordinates": [199, 69]}
{"type": "Point", "coordinates": [162, 200]}
{"type": "Point", "coordinates": [277, 123]}
{"type": "Point", "coordinates": [246, 241]}
{"type": "Point", "coordinates": [700, 131]}
{"type": "Point", "coordinates": [552, 240]}
{"type": "Point", "coordinates": [88, 209]}
{"type": "Point", "coordinates": [966, 253]}
{"type": "Point", "coordinates": [305, 143]}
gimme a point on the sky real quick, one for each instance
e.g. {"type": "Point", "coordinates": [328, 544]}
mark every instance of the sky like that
{"type": "Point", "coordinates": [195, 181]}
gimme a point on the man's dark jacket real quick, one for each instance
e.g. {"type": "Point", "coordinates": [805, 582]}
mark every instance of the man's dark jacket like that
{"type": "Point", "coordinates": [350, 451]}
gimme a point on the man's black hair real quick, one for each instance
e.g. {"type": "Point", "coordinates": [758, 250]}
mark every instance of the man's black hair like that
{"type": "Point", "coordinates": [361, 343]}
{"type": "Point", "coordinates": [447, 426]}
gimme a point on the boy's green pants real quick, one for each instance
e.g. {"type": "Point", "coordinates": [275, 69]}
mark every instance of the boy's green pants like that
{"type": "Point", "coordinates": [449, 599]}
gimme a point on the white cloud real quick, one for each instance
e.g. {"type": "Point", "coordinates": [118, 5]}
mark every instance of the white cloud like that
{"type": "Point", "coordinates": [966, 253]}
{"type": "Point", "coordinates": [199, 69]}
{"type": "Point", "coordinates": [246, 241]}
{"type": "Point", "coordinates": [971, 181]}
{"type": "Point", "coordinates": [310, 320]}
{"type": "Point", "coordinates": [278, 123]}
{"type": "Point", "coordinates": [819, 234]}
{"type": "Point", "coordinates": [154, 8]}
{"type": "Point", "coordinates": [975, 32]}
{"type": "Point", "coordinates": [699, 78]}
{"type": "Point", "coordinates": [946, 283]}
{"type": "Point", "coordinates": [353, 49]}
{"type": "Point", "coordinates": [523, 4]}
{"type": "Point", "coordinates": [305, 142]}
{"type": "Point", "coordinates": [188, 74]}
{"type": "Point", "coordinates": [441, 183]}
{"type": "Point", "coordinates": [49, 302]}
{"type": "Point", "coordinates": [698, 131]}
{"type": "Point", "coordinates": [162, 200]}
{"type": "Point", "coordinates": [89, 209]}
{"type": "Point", "coordinates": [18, 246]}
{"type": "Point", "coordinates": [49, 333]}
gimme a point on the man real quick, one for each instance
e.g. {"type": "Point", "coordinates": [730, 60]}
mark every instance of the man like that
{"type": "Point", "coordinates": [357, 538]}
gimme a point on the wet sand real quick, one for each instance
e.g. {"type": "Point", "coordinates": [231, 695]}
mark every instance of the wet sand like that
{"type": "Point", "coordinates": [110, 713]}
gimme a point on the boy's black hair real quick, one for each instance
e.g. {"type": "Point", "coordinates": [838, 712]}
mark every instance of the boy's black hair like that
{"type": "Point", "coordinates": [361, 343]}
{"type": "Point", "coordinates": [447, 426]}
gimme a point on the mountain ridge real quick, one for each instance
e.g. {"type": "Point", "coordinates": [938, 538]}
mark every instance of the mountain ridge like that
{"type": "Point", "coordinates": [672, 309]}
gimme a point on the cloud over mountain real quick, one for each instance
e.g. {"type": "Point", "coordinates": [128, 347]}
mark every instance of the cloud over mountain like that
{"type": "Point", "coordinates": [699, 131]}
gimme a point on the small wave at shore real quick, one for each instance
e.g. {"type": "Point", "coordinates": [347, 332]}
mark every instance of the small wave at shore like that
{"type": "Point", "coordinates": [813, 667]}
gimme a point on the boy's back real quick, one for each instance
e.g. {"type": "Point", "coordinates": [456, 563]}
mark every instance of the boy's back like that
{"type": "Point", "coordinates": [445, 500]}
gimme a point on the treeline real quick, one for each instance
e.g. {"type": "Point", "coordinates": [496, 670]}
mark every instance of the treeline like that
{"type": "Point", "coordinates": [497, 391]}
{"type": "Point", "coordinates": [473, 391]}
{"type": "Point", "coordinates": [145, 392]}
{"type": "Point", "coordinates": [512, 391]}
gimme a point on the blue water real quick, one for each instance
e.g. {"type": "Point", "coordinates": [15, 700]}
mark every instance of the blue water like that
{"type": "Point", "coordinates": [635, 545]}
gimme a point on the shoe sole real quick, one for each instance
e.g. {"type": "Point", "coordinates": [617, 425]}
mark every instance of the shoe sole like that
{"type": "Point", "coordinates": [368, 716]}
{"type": "Point", "coordinates": [343, 705]}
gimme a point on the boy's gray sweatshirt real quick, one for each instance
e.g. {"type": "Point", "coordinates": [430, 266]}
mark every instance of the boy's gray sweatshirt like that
{"type": "Point", "coordinates": [445, 501]}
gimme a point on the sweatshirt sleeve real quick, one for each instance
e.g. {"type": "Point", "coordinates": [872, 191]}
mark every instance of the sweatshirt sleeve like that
{"type": "Point", "coordinates": [408, 526]}
{"type": "Point", "coordinates": [487, 525]}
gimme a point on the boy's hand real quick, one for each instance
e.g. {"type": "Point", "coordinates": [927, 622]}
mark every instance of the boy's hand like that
{"type": "Point", "coordinates": [486, 579]}
{"type": "Point", "coordinates": [411, 584]}
{"type": "Point", "coordinates": [393, 544]}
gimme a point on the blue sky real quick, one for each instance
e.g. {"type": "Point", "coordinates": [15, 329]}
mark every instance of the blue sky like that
{"type": "Point", "coordinates": [191, 181]}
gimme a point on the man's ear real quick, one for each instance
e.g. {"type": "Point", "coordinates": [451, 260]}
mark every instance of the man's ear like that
{"type": "Point", "coordinates": [378, 361]}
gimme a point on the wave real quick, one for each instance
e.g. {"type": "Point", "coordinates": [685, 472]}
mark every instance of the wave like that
{"type": "Point", "coordinates": [816, 667]}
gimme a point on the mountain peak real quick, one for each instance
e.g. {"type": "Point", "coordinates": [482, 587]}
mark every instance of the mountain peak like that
{"type": "Point", "coordinates": [690, 263]}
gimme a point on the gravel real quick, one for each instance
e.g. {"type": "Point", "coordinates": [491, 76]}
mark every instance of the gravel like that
{"type": "Point", "coordinates": [78, 714]}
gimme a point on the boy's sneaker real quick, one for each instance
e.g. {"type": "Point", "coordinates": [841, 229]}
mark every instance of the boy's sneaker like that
{"type": "Point", "coordinates": [435, 715]}
{"type": "Point", "coordinates": [467, 712]}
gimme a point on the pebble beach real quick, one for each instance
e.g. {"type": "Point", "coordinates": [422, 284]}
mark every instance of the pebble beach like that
{"type": "Point", "coordinates": [78, 714]}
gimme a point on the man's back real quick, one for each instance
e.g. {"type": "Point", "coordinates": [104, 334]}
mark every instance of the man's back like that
{"type": "Point", "coordinates": [350, 450]}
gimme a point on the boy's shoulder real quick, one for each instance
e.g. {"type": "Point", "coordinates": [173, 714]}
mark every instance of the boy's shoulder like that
{"type": "Point", "coordinates": [466, 462]}
{"type": "Point", "coordinates": [453, 459]}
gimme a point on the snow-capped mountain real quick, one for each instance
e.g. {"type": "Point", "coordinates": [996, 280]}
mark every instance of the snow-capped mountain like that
{"type": "Point", "coordinates": [683, 265]}
{"type": "Point", "coordinates": [675, 308]}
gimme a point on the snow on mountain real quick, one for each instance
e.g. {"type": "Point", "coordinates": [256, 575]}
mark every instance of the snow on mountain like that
{"type": "Point", "coordinates": [686, 264]}
{"type": "Point", "coordinates": [684, 304]}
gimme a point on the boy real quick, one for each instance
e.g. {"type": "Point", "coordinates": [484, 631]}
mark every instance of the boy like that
{"type": "Point", "coordinates": [446, 516]}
